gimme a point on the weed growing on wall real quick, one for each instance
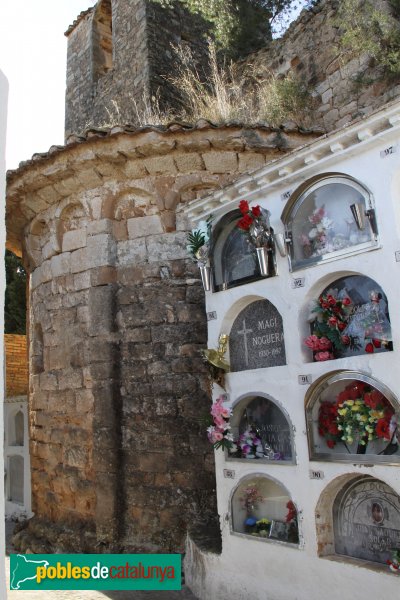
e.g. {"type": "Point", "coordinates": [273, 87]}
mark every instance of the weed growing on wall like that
{"type": "Point", "coordinates": [371, 29]}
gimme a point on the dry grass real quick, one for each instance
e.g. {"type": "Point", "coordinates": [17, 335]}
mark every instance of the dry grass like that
{"type": "Point", "coordinates": [228, 93]}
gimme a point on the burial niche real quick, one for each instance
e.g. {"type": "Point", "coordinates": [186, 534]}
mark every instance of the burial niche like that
{"type": "Point", "coordinates": [352, 417]}
{"type": "Point", "coordinates": [16, 479]}
{"type": "Point", "coordinates": [16, 429]}
{"type": "Point", "coordinates": [262, 508]}
{"type": "Point", "coordinates": [256, 339]}
{"type": "Point", "coordinates": [366, 520]}
{"type": "Point", "coordinates": [261, 430]}
{"type": "Point", "coordinates": [349, 318]}
{"type": "Point", "coordinates": [328, 217]}
{"type": "Point", "coordinates": [234, 259]}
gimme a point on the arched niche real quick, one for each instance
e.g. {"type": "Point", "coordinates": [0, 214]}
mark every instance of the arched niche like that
{"type": "Point", "coordinates": [16, 479]}
{"type": "Point", "coordinates": [259, 417]}
{"type": "Point", "coordinates": [352, 417]}
{"type": "Point", "coordinates": [256, 338]}
{"type": "Point", "coordinates": [328, 217]}
{"type": "Point", "coordinates": [261, 507]}
{"type": "Point", "coordinates": [130, 204]}
{"type": "Point", "coordinates": [71, 227]}
{"type": "Point", "coordinates": [358, 516]}
{"type": "Point", "coordinates": [16, 428]}
{"type": "Point", "coordinates": [350, 317]}
{"type": "Point", "coordinates": [233, 256]}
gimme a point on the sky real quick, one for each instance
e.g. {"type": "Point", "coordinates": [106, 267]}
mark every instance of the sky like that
{"type": "Point", "coordinates": [33, 51]}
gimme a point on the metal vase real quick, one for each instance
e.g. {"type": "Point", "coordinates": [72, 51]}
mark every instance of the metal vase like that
{"type": "Point", "coordinates": [205, 273]}
{"type": "Point", "coordinates": [262, 256]}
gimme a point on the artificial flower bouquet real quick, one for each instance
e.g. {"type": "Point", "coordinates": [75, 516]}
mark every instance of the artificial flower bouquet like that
{"type": "Point", "coordinates": [255, 224]}
{"type": "Point", "coordinates": [360, 413]}
{"type": "Point", "coordinates": [219, 433]}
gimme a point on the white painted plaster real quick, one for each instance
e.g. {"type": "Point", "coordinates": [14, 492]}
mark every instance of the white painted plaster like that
{"type": "Point", "coordinates": [262, 569]}
{"type": "Point", "coordinates": [3, 125]}
{"type": "Point", "coordinates": [11, 407]}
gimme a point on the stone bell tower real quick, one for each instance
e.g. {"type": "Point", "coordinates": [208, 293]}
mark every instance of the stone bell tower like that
{"type": "Point", "coordinates": [120, 53]}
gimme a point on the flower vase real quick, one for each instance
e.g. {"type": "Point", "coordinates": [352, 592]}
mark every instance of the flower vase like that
{"type": "Point", "coordinates": [262, 257]}
{"type": "Point", "coordinates": [205, 273]}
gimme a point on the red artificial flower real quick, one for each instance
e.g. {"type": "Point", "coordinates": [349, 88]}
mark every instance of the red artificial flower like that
{"type": "Point", "coordinates": [369, 348]}
{"type": "Point", "coordinates": [245, 222]}
{"type": "Point", "coordinates": [345, 340]}
{"type": "Point", "coordinates": [382, 429]}
{"type": "Point", "coordinates": [331, 300]}
{"type": "Point", "coordinates": [256, 210]}
{"type": "Point", "coordinates": [377, 343]}
{"type": "Point", "coordinates": [332, 321]}
{"type": "Point", "coordinates": [244, 207]}
{"type": "Point", "coordinates": [330, 443]}
{"type": "Point", "coordinates": [341, 326]}
{"type": "Point", "coordinates": [346, 301]}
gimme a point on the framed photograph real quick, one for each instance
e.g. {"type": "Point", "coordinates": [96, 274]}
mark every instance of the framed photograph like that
{"type": "Point", "coordinates": [279, 531]}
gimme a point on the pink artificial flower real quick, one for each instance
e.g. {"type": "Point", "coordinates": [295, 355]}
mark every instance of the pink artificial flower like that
{"type": "Point", "coordinates": [346, 301]}
{"type": "Point", "coordinates": [312, 342]}
{"type": "Point", "coordinates": [345, 340]}
{"type": "Point", "coordinates": [321, 356]}
{"type": "Point", "coordinates": [332, 321]}
{"type": "Point", "coordinates": [220, 422]}
{"type": "Point", "coordinates": [324, 344]}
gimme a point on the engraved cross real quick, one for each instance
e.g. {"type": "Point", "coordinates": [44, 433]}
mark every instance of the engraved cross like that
{"type": "Point", "coordinates": [244, 332]}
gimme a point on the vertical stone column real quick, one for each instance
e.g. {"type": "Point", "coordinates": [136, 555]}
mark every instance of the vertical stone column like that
{"type": "Point", "coordinates": [167, 465]}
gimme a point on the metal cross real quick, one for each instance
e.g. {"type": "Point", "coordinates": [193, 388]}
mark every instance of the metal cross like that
{"type": "Point", "coordinates": [244, 333]}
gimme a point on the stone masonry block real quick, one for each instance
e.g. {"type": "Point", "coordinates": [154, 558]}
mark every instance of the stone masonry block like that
{"type": "Point", "coordinates": [131, 252]}
{"type": "Point", "coordinates": [79, 260]}
{"type": "Point", "coordinates": [101, 309]}
{"type": "Point", "coordinates": [101, 250]}
{"type": "Point", "coordinates": [143, 226]}
{"type": "Point", "coordinates": [61, 264]}
{"type": "Point", "coordinates": [250, 161]}
{"type": "Point", "coordinates": [160, 164]}
{"type": "Point", "coordinates": [189, 163]}
{"type": "Point", "coordinates": [220, 162]}
{"type": "Point", "coordinates": [72, 240]}
{"type": "Point", "coordinates": [168, 246]}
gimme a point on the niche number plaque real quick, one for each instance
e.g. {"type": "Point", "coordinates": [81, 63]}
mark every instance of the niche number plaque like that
{"type": "Point", "coordinates": [388, 151]}
{"type": "Point", "coordinates": [298, 282]}
{"type": "Point", "coordinates": [229, 474]}
{"type": "Point", "coordinates": [211, 315]}
{"type": "Point", "coordinates": [305, 379]}
{"type": "Point", "coordinates": [316, 474]}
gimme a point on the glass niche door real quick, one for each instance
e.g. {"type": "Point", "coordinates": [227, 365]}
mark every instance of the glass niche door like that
{"type": "Point", "coordinates": [331, 218]}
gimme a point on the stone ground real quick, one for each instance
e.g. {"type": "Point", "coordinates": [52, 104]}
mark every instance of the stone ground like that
{"type": "Point", "coordinates": [184, 594]}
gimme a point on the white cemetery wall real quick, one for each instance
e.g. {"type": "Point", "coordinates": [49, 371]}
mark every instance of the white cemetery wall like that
{"type": "Point", "coordinates": [3, 122]}
{"type": "Point", "coordinates": [16, 457]}
{"type": "Point", "coordinates": [263, 569]}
